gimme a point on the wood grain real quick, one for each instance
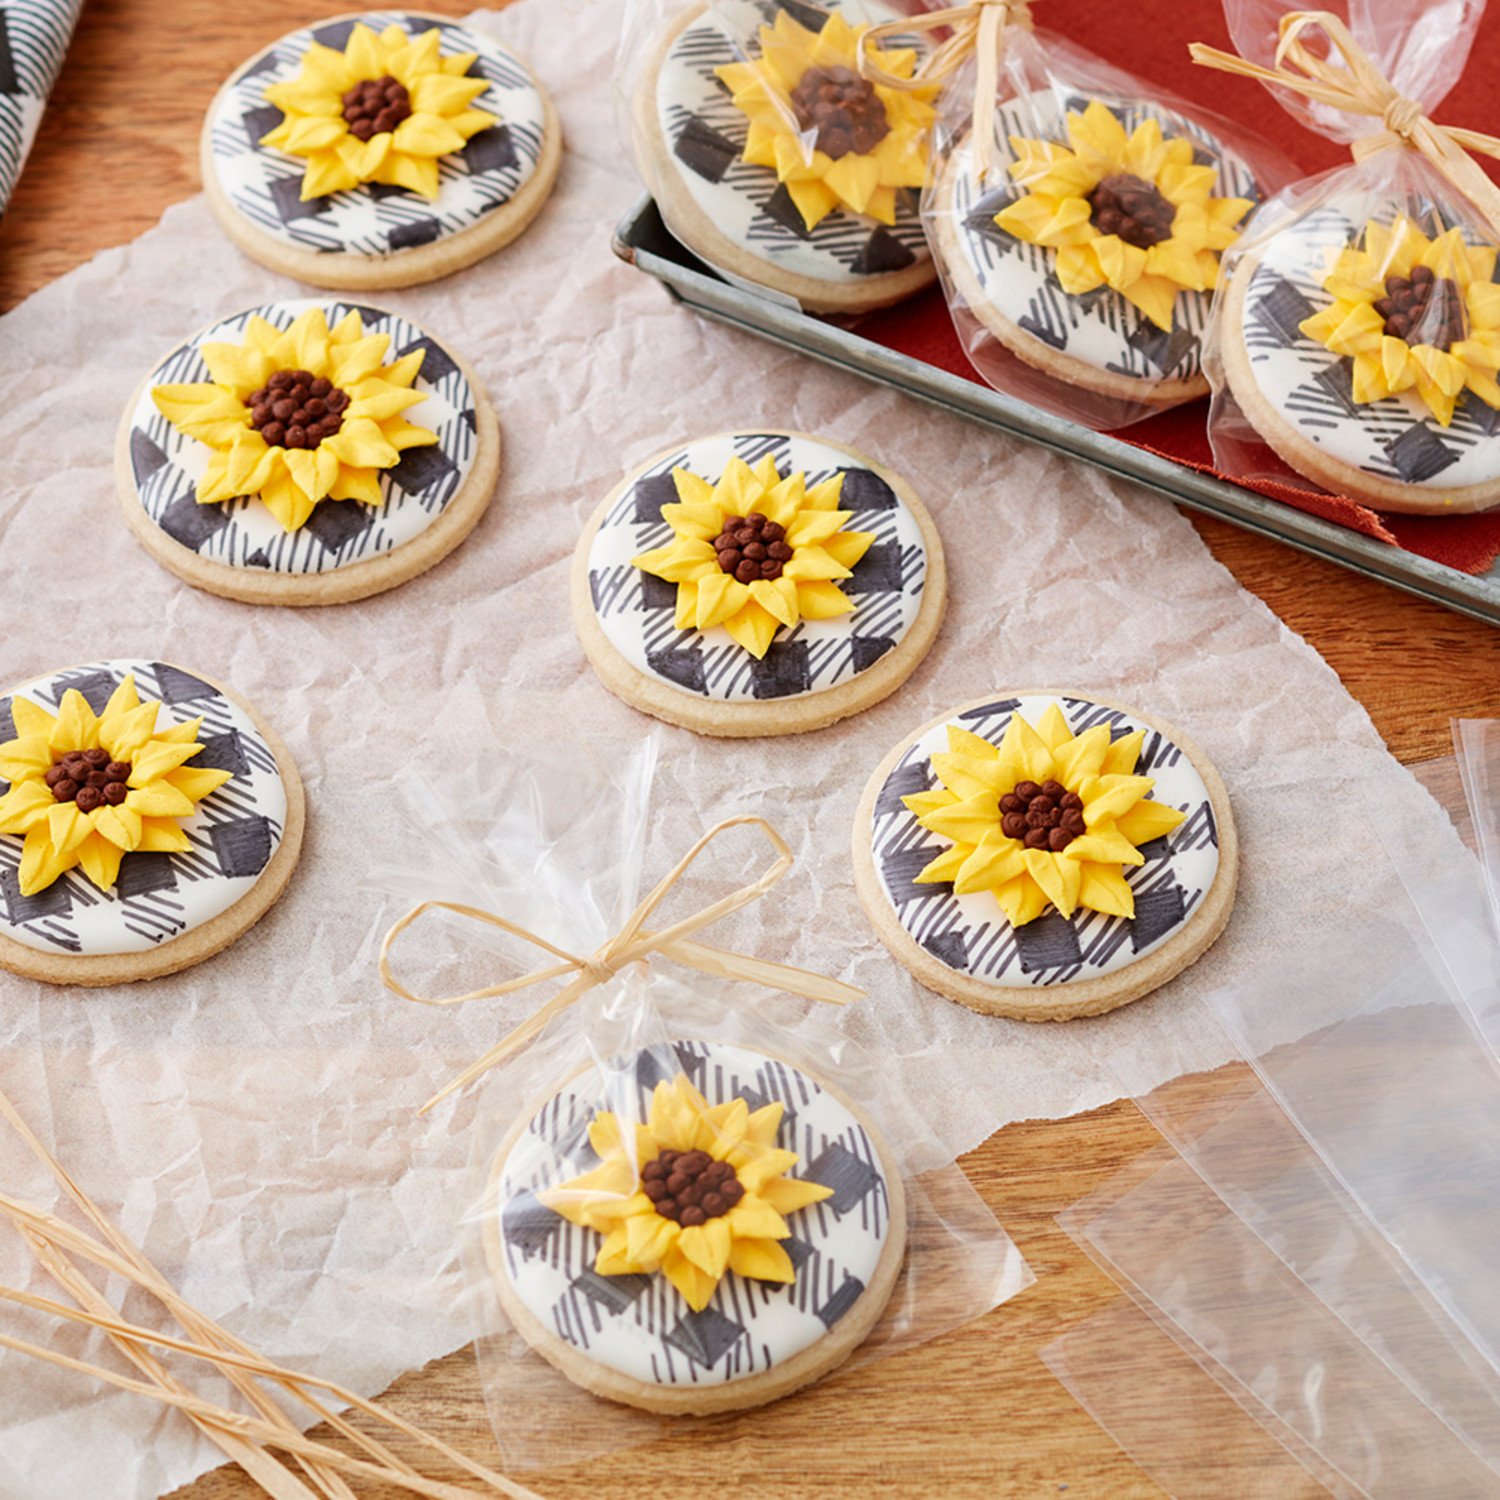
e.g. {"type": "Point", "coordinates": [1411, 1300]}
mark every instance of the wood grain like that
{"type": "Point", "coordinates": [976, 1413]}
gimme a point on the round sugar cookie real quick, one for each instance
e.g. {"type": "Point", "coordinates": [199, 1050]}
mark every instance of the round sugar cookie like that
{"type": "Point", "coordinates": [429, 499]}
{"type": "Point", "coordinates": [690, 141]}
{"type": "Point", "coordinates": [498, 151]}
{"type": "Point", "coordinates": [193, 881]}
{"type": "Point", "coordinates": [1096, 340]}
{"type": "Point", "coordinates": [640, 634]}
{"type": "Point", "coordinates": [1393, 453]}
{"type": "Point", "coordinates": [1051, 967]}
{"type": "Point", "coordinates": [631, 1334]}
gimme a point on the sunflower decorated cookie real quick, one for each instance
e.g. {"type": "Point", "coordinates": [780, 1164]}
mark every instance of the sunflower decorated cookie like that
{"type": "Point", "coordinates": [1366, 353]}
{"type": "Point", "coordinates": [1042, 855]}
{"type": "Point", "coordinates": [758, 583]}
{"type": "Point", "coordinates": [1092, 251]}
{"type": "Point", "coordinates": [148, 817]}
{"type": "Point", "coordinates": [772, 158]}
{"type": "Point", "coordinates": [306, 453]}
{"type": "Point", "coordinates": [379, 150]}
{"type": "Point", "coordinates": [732, 1238]}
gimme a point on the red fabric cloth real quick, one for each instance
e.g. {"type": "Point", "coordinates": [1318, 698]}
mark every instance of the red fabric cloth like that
{"type": "Point", "coordinates": [1152, 44]}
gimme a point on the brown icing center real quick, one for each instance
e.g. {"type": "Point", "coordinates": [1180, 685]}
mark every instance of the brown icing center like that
{"type": "Point", "coordinates": [90, 779]}
{"type": "Point", "coordinates": [1423, 309]}
{"type": "Point", "coordinates": [1048, 816]}
{"type": "Point", "coordinates": [690, 1187]}
{"type": "Point", "coordinates": [296, 409]}
{"type": "Point", "coordinates": [376, 105]}
{"type": "Point", "coordinates": [1130, 207]}
{"type": "Point", "coordinates": [752, 547]}
{"type": "Point", "coordinates": [843, 108]}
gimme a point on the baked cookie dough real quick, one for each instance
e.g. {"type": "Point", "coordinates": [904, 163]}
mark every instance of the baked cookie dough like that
{"type": "Point", "coordinates": [175, 860]}
{"type": "Point", "coordinates": [940, 869]}
{"type": "Point", "coordinates": [810, 1236]}
{"type": "Point", "coordinates": [1098, 339]}
{"type": "Point", "coordinates": [740, 216]}
{"type": "Point", "coordinates": [412, 456]}
{"type": "Point", "coordinates": [363, 186]}
{"type": "Point", "coordinates": [864, 603]}
{"type": "Point", "coordinates": [1392, 452]}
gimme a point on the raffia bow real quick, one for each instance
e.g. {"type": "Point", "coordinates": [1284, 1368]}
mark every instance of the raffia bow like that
{"type": "Point", "coordinates": [633, 943]}
{"type": "Point", "coordinates": [977, 30]}
{"type": "Point", "coordinates": [1359, 88]}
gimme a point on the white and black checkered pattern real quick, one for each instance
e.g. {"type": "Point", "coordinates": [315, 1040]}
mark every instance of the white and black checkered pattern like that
{"type": "Point", "coordinates": [34, 36]}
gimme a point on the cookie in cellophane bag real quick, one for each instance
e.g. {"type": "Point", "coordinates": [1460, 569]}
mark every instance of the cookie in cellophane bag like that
{"type": "Point", "coordinates": [771, 157]}
{"type": "Point", "coordinates": [1078, 216]}
{"type": "Point", "coordinates": [1357, 335]}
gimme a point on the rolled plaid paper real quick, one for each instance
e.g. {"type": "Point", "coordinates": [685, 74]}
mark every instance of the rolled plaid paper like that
{"type": "Point", "coordinates": [34, 36]}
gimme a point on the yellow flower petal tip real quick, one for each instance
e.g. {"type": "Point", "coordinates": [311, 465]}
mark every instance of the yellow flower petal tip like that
{"type": "Point", "coordinates": [386, 109]}
{"type": "Point", "coordinates": [695, 1192]}
{"type": "Point", "coordinates": [756, 552]}
{"type": "Point", "coordinates": [1045, 819]}
{"type": "Point", "coordinates": [87, 789]}
{"type": "Point", "coordinates": [1131, 212]}
{"type": "Point", "coordinates": [1413, 314]}
{"type": "Point", "coordinates": [296, 415]}
{"type": "Point", "coordinates": [835, 139]}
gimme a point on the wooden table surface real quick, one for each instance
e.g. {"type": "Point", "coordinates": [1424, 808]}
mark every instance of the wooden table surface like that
{"type": "Point", "coordinates": [976, 1413]}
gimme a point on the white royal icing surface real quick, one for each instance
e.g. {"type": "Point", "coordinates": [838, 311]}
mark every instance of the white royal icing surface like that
{"type": "Point", "coordinates": [640, 1325]}
{"type": "Point", "coordinates": [264, 184]}
{"type": "Point", "coordinates": [973, 936]}
{"type": "Point", "coordinates": [1098, 328]}
{"type": "Point", "coordinates": [243, 533]}
{"type": "Point", "coordinates": [736, 195]}
{"type": "Point", "coordinates": [637, 611]}
{"type": "Point", "coordinates": [1311, 388]}
{"type": "Point", "coordinates": [234, 831]}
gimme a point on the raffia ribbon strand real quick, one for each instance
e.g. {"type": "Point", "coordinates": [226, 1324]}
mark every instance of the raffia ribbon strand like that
{"type": "Point", "coordinates": [1359, 88]}
{"type": "Point", "coordinates": [633, 943]}
{"type": "Point", "coordinates": [977, 29]}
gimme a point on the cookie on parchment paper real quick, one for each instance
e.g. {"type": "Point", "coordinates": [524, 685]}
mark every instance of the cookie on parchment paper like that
{"type": "Point", "coordinates": [825, 610]}
{"type": "Point", "coordinates": [379, 150]}
{"type": "Point", "coordinates": [151, 818]}
{"type": "Point", "coordinates": [806, 1255]}
{"type": "Point", "coordinates": [243, 487]}
{"type": "Point", "coordinates": [1045, 854]}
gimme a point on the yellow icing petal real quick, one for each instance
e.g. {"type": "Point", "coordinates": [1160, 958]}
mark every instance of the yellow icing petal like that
{"type": "Point", "coordinates": [1123, 753]}
{"type": "Point", "coordinates": [707, 1245]}
{"type": "Point", "coordinates": [76, 727]}
{"type": "Point", "coordinates": [761, 1260]}
{"type": "Point", "coordinates": [760, 1167]}
{"type": "Point", "coordinates": [778, 599]}
{"type": "Point", "coordinates": [1115, 796]}
{"type": "Point", "coordinates": [100, 860]}
{"type": "Point", "coordinates": [1105, 845]}
{"type": "Point", "coordinates": [969, 775]}
{"type": "Point", "coordinates": [1022, 900]}
{"type": "Point", "coordinates": [156, 759]}
{"type": "Point", "coordinates": [696, 1286]}
{"type": "Point", "coordinates": [946, 866]}
{"type": "Point", "coordinates": [25, 805]}
{"type": "Point", "coordinates": [163, 800]}
{"type": "Point", "coordinates": [822, 600]}
{"type": "Point", "coordinates": [66, 827]}
{"type": "Point", "coordinates": [1148, 820]}
{"type": "Point", "coordinates": [967, 821]}
{"type": "Point", "coordinates": [1104, 890]}
{"type": "Point", "coordinates": [119, 825]}
{"type": "Point", "coordinates": [30, 755]}
{"type": "Point", "coordinates": [161, 835]}
{"type": "Point", "coordinates": [41, 863]}
{"type": "Point", "coordinates": [762, 1125]}
{"type": "Point", "coordinates": [786, 1195]}
{"type": "Point", "coordinates": [30, 718]}
{"type": "Point", "coordinates": [753, 627]}
{"type": "Point", "coordinates": [995, 861]}
{"type": "Point", "coordinates": [1083, 756]}
{"type": "Point", "coordinates": [1058, 878]}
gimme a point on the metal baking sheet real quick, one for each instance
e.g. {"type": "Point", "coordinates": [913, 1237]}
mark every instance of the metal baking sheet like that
{"type": "Point", "coordinates": [645, 242]}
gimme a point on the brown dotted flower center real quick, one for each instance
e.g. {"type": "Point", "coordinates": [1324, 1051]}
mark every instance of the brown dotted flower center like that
{"type": "Point", "coordinates": [296, 409]}
{"type": "Point", "coordinates": [1048, 816]}
{"type": "Point", "coordinates": [1423, 309]}
{"type": "Point", "coordinates": [375, 105]}
{"type": "Point", "coordinates": [843, 108]}
{"type": "Point", "coordinates": [690, 1187]}
{"type": "Point", "coordinates": [752, 547]}
{"type": "Point", "coordinates": [89, 778]}
{"type": "Point", "coordinates": [1130, 207]}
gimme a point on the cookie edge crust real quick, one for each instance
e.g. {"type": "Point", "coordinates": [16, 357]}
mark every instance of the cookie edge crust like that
{"type": "Point", "coordinates": [818, 1359]}
{"type": "Point", "coordinates": [1081, 997]}
{"type": "Point", "coordinates": [754, 719]}
{"type": "Point", "coordinates": [692, 226]}
{"type": "Point", "coordinates": [1032, 351]}
{"type": "Point", "coordinates": [197, 943]}
{"type": "Point", "coordinates": [347, 272]}
{"type": "Point", "coordinates": [1333, 474]}
{"type": "Point", "coordinates": [340, 585]}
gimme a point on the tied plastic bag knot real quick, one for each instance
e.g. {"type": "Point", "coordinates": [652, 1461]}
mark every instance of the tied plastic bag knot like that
{"type": "Point", "coordinates": [977, 30]}
{"type": "Point", "coordinates": [1354, 84]}
{"type": "Point", "coordinates": [632, 944]}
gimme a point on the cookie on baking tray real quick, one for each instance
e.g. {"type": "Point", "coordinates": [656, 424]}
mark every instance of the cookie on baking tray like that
{"type": "Point", "coordinates": [1044, 854]}
{"type": "Point", "coordinates": [816, 199]}
{"type": "Point", "coordinates": [743, 1249]}
{"type": "Point", "coordinates": [379, 150]}
{"type": "Point", "coordinates": [306, 453]}
{"type": "Point", "coordinates": [1091, 254]}
{"type": "Point", "coordinates": [1366, 353]}
{"type": "Point", "coordinates": [150, 818]}
{"type": "Point", "coordinates": [758, 583]}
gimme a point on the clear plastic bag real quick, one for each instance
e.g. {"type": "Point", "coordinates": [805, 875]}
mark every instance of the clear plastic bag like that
{"type": "Point", "coordinates": [1079, 261]}
{"type": "Point", "coordinates": [800, 1276]}
{"type": "Point", "coordinates": [767, 153]}
{"type": "Point", "coordinates": [1356, 332]}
